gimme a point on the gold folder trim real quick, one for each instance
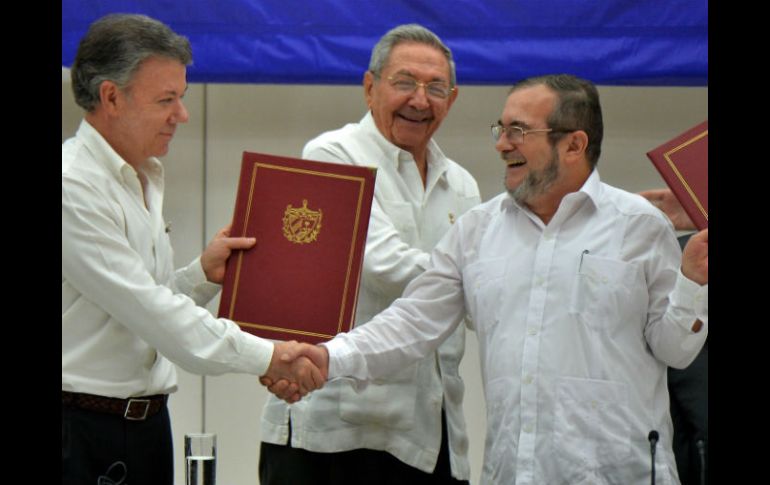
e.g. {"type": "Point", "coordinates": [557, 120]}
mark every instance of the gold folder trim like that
{"type": "Point", "coordinates": [243, 234]}
{"type": "Point", "coordinates": [361, 181]}
{"type": "Point", "coordinates": [286, 330]}
{"type": "Point", "coordinates": [667, 156]}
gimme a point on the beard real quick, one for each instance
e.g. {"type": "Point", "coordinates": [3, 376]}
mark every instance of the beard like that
{"type": "Point", "coordinates": [536, 183]}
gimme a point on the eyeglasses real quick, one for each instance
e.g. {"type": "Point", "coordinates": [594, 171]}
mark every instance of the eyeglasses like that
{"type": "Point", "coordinates": [408, 85]}
{"type": "Point", "coordinates": [515, 134]}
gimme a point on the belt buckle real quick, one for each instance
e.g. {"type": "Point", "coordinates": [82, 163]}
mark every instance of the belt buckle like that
{"type": "Point", "coordinates": [131, 402]}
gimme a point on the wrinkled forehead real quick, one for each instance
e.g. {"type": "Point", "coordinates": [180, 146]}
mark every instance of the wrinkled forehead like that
{"type": "Point", "coordinates": [413, 57]}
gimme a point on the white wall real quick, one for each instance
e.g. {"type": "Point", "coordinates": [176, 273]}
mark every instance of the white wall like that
{"type": "Point", "coordinates": [202, 172]}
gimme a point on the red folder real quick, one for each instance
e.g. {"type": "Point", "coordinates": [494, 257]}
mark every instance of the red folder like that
{"type": "Point", "coordinates": [300, 281]}
{"type": "Point", "coordinates": [683, 163]}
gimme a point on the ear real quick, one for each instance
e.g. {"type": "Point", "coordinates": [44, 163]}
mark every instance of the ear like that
{"type": "Point", "coordinates": [452, 97]}
{"type": "Point", "coordinates": [368, 86]}
{"type": "Point", "coordinates": [576, 144]}
{"type": "Point", "coordinates": [109, 94]}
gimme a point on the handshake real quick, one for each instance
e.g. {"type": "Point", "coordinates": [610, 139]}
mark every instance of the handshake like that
{"type": "Point", "coordinates": [296, 369]}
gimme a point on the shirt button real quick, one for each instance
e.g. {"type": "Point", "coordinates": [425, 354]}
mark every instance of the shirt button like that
{"type": "Point", "coordinates": [528, 428]}
{"type": "Point", "coordinates": [532, 331]}
{"type": "Point", "coordinates": [528, 380]}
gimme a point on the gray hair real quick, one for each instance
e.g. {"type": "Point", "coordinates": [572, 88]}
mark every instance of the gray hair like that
{"type": "Point", "coordinates": [577, 108]}
{"type": "Point", "coordinates": [408, 33]}
{"type": "Point", "coordinates": [113, 49]}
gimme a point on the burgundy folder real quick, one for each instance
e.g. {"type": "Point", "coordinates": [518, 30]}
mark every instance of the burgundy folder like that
{"type": "Point", "coordinates": [683, 163]}
{"type": "Point", "coordinates": [310, 219]}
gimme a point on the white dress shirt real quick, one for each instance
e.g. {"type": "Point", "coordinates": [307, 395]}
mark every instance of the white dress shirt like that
{"type": "Point", "coordinates": [125, 315]}
{"type": "Point", "coordinates": [577, 321]}
{"type": "Point", "coordinates": [399, 413]}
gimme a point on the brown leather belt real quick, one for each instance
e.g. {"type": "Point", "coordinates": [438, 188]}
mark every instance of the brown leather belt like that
{"type": "Point", "coordinates": [134, 408]}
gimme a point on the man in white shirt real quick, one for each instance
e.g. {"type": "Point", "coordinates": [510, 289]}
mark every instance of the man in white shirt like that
{"type": "Point", "coordinates": [126, 314]}
{"type": "Point", "coordinates": [579, 295]}
{"type": "Point", "coordinates": [407, 427]}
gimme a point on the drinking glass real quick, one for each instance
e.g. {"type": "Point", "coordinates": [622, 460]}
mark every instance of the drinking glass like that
{"type": "Point", "coordinates": [200, 452]}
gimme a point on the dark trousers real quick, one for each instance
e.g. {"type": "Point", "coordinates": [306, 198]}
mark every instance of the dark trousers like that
{"type": "Point", "coordinates": [689, 391]}
{"type": "Point", "coordinates": [106, 449]}
{"type": "Point", "coordinates": [284, 465]}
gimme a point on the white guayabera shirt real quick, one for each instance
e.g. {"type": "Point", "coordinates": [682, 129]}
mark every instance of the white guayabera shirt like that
{"type": "Point", "coordinates": [400, 413]}
{"type": "Point", "coordinates": [577, 321]}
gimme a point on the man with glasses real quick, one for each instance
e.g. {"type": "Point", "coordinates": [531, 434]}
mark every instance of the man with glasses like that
{"type": "Point", "coordinates": [579, 296]}
{"type": "Point", "coordinates": [407, 427]}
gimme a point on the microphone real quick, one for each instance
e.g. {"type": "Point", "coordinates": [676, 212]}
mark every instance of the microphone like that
{"type": "Point", "coordinates": [701, 445]}
{"type": "Point", "coordinates": [653, 439]}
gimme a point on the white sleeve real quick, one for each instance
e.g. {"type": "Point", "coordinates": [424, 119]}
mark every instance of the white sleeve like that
{"type": "Point", "coordinates": [98, 260]}
{"type": "Point", "coordinates": [412, 327]}
{"type": "Point", "coordinates": [675, 303]}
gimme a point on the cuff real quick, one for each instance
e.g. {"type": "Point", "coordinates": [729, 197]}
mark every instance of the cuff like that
{"type": "Point", "coordinates": [191, 281]}
{"type": "Point", "coordinates": [256, 354]}
{"type": "Point", "coordinates": [690, 301]}
{"type": "Point", "coordinates": [192, 275]}
{"type": "Point", "coordinates": [340, 357]}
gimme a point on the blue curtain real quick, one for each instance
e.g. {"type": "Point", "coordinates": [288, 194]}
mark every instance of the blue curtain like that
{"type": "Point", "coordinates": [611, 42]}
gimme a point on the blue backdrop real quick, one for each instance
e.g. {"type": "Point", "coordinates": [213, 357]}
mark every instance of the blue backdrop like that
{"type": "Point", "coordinates": [611, 42]}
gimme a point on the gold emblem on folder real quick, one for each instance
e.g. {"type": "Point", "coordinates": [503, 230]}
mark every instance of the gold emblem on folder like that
{"type": "Point", "coordinates": [301, 225]}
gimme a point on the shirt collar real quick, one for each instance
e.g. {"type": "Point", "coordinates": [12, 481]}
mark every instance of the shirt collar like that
{"type": "Point", "coordinates": [591, 189]}
{"type": "Point", "coordinates": [109, 158]}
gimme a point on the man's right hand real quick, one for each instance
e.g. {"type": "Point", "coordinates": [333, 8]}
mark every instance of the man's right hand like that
{"type": "Point", "coordinates": [296, 369]}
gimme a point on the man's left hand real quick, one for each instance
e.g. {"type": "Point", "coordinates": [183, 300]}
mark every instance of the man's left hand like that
{"type": "Point", "coordinates": [219, 249]}
{"type": "Point", "coordinates": [695, 258]}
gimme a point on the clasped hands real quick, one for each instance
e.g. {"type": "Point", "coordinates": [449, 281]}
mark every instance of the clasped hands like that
{"type": "Point", "coordinates": [296, 369]}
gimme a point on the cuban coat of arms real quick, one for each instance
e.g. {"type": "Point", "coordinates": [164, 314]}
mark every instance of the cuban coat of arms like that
{"type": "Point", "coordinates": [300, 224]}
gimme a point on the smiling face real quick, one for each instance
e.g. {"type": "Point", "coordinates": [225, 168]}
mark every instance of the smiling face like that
{"type": "Point", "coordinates": [532, 166]}
{"type": "Point", "coordinates": [408, 120]}
{"type": "Point", "coordinates": [147, 111]}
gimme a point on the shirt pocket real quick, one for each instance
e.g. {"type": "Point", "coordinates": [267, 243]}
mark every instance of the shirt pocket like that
{"type": "Point", "coordinates": [591, 426]}
{"type": "Point", "coordinates": [401, 215]}
{"type": "Point", "coordinates": [390, 403]}
{"type": "Point", "coordinates": [602, 291]}
{"type": "Point", "coordinates": [483, 287]}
